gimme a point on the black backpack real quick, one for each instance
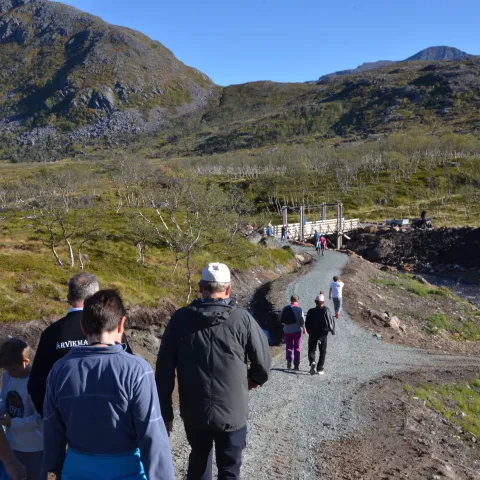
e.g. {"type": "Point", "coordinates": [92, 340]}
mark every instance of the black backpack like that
{"type": "Point", "coordinates": [288, 316]}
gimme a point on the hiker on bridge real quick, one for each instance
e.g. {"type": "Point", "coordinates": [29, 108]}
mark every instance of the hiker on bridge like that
{"type": "Point", "coordinates": [319, 324]}
{"type": "Point", "coordinates": [283, 238]}
{"type": "Point", "coordinates": [293, 320]}
{"type": "Point", "coordinates": [218, 352]}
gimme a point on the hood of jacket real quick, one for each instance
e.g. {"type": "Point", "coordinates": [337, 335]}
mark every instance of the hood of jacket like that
{"type": "Point", "coordinates": [213, 311]}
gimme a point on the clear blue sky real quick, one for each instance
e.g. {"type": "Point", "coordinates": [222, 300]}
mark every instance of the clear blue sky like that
{"type": "Point", "coordinates": [236, 41]}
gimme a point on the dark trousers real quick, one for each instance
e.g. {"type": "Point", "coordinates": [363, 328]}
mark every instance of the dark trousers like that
{"type": "Point", "coordinates": [321, 341]}
{"type": "Point", "coordinates": [228, 453]}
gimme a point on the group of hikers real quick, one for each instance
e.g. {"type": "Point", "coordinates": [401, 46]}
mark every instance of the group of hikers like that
{"type": "Point", "coordinates": [88, 408]}
{"type": "Point", "coordinates": [318, 323]}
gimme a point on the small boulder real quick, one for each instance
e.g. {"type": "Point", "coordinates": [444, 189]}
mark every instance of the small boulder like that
{"type": "Point", "coordinates": [254, 238]}
{"type": "Point", "coordinates": [394, 323]}
{"type": "Point", "coordinates": [271, 243]}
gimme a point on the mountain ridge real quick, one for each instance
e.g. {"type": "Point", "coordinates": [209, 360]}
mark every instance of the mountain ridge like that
{"type": "Point", "coordinates": [435, 54]}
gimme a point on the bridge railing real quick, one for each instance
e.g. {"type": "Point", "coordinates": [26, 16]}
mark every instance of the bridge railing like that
{"type": "Point", "coordinates": [324, 227]}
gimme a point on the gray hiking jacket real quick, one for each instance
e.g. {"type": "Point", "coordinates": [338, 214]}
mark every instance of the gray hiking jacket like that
{"type": "Point", "coordinates": [209, 344]}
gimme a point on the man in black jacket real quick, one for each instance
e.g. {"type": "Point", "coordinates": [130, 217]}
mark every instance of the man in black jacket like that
{"type": "Point", "coordinates": [319, 324]}
{"type": "Point", "coordinates": [58, 339]}
{"type": "Point", "coordinates": [219, 352]}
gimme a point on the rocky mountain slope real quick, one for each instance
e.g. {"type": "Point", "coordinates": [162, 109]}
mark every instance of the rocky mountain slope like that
{"type": "Point", "coordinates": [62, 69]}
{"type": "Point", "coordinates": [420, 97]}
{"type": "Point", "coordinates": [71, 83]}
{"type": "Point", "coordinates": [431, 54]}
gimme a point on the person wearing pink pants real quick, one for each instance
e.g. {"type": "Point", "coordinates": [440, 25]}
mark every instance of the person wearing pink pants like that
{"type": "Point", "coordinates": [293, 320]}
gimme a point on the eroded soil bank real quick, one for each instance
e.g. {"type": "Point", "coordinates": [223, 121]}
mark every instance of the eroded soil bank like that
{"type": "Point", "coordinates": [403, 437]}
{"type": "Point", "coordinates": [439, 250]}
{"type": "Point", "coordinates": [430, 318]}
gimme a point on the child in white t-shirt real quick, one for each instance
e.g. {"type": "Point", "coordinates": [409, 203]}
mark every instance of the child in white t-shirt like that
{"type": "Point", "coordinates": [336, 291]}
{"type": "Point", "coordinates": [17, 414]}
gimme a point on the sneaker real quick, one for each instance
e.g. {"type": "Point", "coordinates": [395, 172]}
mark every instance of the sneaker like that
{"type": "Point", "coordinates": [297, 368]}
{"type": "Point", "coordinates": [313, 370]}
{"type": "Point", "coordinates": [320, 372]}
{"type": "Point", "coordinates": [289, 365]}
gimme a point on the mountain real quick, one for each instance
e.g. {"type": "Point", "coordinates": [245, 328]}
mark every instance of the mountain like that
{"type": "Point", "coordinates": [62, 70]}
{"type": "Point", "coordinates": [438, 53]}
{"type": "Point", "coordinates": [419, 98]}
{"type": "Point", "coordinates": [431, 54]}
{"type": "Point", "coordinates": [362, 68]}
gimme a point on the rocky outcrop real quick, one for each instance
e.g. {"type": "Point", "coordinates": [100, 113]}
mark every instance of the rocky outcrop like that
{"type": "Point", "coordinates": [444, 248]}
{"type": "Point", "coordinates": [66, 69]}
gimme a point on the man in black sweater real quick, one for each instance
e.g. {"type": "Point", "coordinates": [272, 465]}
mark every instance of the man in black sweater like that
{"type": "Point", "coordinates": [218, 352]}
{"type": "Point", "coordinates": [57, 339]}
{"type": "Point", "coordinates": [319, 324]}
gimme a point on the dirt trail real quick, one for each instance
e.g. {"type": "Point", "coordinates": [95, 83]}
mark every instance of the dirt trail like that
{"type": "Point", "coordinates": [294, 412]}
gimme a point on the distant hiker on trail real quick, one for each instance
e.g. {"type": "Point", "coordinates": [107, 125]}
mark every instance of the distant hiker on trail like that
{"type": "Point", "coordinates": [59, 338]}
{"type": "Point", "coordinates": [316, 237]}
{"type": "Point", "coordinates": [18, 415]}
{"type": "Point", "coordinates": [284, 234]}
{"type": "Point", "coordinates": [319, 324]}
{"type": "Point", "coordinates": [323, 244]}
{"type": "Point", "coordinates": [102, 413]}
{"type": "Point", "coordinates": [293, 320]}
{"type": "Point", "coordinates": [219, 353]}
{"type": "Point", "coordinates": [336, 291]}
{"type": "Point", "coordinates": [270, 230]}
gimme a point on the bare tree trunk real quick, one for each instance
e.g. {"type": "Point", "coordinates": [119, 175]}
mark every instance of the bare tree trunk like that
{"type": "Point", "coordinates": [189, 277]}
{"type": "Point", "coordinates": [70, 250]}
{"type": "Point", "coordinates": [80, 259]}
{"type": "Point", "coordinates": [57, 258]}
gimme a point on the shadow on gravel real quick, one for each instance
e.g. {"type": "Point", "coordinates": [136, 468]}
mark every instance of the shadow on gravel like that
{"type": "Point", "coordinates": [290, 372]}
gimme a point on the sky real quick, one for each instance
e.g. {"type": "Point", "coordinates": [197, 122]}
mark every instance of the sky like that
{"type": "Point", "coordinates": [237, 41]}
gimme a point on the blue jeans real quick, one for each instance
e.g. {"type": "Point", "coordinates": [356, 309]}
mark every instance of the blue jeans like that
{"type": "Point", "coordinates": [228, 451]}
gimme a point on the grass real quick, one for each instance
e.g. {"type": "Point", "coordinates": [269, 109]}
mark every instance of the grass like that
{"type": "Point", "coordinates": [464, 329]}
{"type": "Point", "coordinates": [32, 286]}
{"type": "Point", "coordinates": [413, 286]}
{"type": "Point", "coordinates": [457, 402]}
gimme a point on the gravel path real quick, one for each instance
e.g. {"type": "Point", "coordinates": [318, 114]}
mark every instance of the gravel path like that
{"type": "Point", "coordinates": [294, 412]}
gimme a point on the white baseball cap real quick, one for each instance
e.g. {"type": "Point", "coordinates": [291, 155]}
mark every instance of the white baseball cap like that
{"type": "Point", "coordinates": [320, 298]}
{"type": "Point", "coordinates": [216, 272]}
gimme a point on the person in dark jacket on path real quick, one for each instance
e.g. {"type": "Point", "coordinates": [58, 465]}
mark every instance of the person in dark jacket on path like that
{"type": "Point", "coordinates": [293, 320]}
{"type": "Point", "coordinates": [319, 324]}
{"type": "Point", "coordinates": [219, 353]}
{"type": "Point", "coordinates": [102, 413]}
{"type": "Point", "coordinates": [60, 337]}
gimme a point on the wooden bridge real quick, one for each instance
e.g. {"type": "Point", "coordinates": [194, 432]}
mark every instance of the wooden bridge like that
{"type": "Point", "coordinates": [323, 227]}
{"type": "Point", "coordinates": [303, 230]}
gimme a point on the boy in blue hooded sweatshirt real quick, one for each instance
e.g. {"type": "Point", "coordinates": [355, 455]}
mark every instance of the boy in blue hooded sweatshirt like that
{"type": "Point", "coordinates": [102, 402]}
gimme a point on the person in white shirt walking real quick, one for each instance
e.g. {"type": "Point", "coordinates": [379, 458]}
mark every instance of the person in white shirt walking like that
{"type": "Point", "coordinates": [336, 289]}
{"type": "Point", "coordinates": [23, 424]}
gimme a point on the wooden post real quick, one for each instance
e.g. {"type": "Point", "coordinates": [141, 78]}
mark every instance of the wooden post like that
{"type": "Point", "coordinates": [324, 211]}
{"type": "Point", "coordinates": [339, 225]}
{"type": "Point", "coordinates": [285, 216]}
{"type": "Point", "coordinates": [302, 223]}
